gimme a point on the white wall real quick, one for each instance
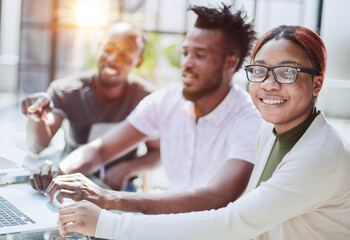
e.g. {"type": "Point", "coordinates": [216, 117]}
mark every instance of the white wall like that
{"type": "Point", "coordinates": [336, 35]}
{"type": "Point", "coordinates": [335, 95]}
{"type": "Point", "coordinates": [9, 48]}
{"type": "Point", "coordinates": [10, 24]}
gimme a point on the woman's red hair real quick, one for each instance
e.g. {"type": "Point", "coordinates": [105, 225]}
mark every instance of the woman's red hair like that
{"type": "Point", "coordinates": [307, 39]}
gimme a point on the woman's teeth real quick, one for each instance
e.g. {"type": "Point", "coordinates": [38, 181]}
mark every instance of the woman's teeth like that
{"type": "Point", "coordinates": [273, 101]}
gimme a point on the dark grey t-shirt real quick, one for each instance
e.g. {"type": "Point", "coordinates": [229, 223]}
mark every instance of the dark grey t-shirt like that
{"type": "Point", "coordinates": [76, 99]}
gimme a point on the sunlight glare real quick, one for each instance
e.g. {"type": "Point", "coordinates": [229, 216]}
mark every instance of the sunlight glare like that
{"type": "Point", "coordinates": [91, 13]}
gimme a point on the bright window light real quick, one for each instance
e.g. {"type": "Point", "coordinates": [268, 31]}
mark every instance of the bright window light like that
{"type": "Point", "coordinates": [91, 13]}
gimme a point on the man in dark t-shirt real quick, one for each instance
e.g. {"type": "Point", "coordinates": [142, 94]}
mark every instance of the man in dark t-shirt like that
{"type": "Point", "coordinates": [74, 98]}
{"type": "Point", "coordinates": [94, 103]}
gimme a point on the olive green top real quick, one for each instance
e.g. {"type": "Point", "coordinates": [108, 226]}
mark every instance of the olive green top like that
{"type": "Point", "coordinates": [283, 144]}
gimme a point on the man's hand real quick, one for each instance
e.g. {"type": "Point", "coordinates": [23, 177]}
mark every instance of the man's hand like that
{"type": "Point", "coordinates": [79, 217]}
{"type": "Point", "coordinates": [38, 107]}
{"type": "Point", "coordinates": [42, 122]}
{"type": "Point", "coordinates": [76, 187]}
{"type": "Point", "coordinates": [117, 176]}
{"type": "Point", "coordinates": [43, 175]}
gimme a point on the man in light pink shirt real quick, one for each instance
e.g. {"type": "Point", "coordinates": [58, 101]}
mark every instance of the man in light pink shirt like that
{"type": "Point", "coordinates": [194, 150]}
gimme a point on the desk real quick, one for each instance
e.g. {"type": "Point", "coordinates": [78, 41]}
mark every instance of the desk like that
{"type": "Point", "coordinates": [47, 235]}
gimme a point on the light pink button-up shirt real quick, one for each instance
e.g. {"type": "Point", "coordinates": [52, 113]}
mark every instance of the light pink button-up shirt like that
{"type": "Point", "coordinates": [193, 152]}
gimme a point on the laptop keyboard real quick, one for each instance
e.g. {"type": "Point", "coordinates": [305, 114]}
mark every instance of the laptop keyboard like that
{"type": "Point", "coordinates": [11, 216]}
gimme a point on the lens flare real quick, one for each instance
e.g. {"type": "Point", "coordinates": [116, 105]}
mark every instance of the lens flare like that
{"type": "Point", "coordinates": [91, 13]}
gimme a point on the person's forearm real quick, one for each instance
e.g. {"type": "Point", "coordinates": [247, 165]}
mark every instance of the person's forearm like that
{"type": "Point", "coordinates": [221, 224]}
{"type": "Point", "coordinates": [141, 164]}
{"type": "Point", "coordinates": [225, 187]}
{"type": "Point", "coordinates": [111, 145]}
{"type": "Point", "coordinates": [85, 159]}
{"type": "Point", "coordinates": [38, 136]}
{"type": "Point", "coordinates": [167, 202]}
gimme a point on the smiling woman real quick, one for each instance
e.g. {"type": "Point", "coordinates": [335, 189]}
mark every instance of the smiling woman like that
{"type": "Point", "coordinates": [285, 104]}
{"type": "Point", "coordinates": [297, 59]}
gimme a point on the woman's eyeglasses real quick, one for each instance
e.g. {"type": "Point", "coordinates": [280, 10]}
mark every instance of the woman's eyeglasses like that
{"type": "Point", "coordinates": [283, 74]}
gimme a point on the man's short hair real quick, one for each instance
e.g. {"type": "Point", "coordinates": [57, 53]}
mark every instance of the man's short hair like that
{"type": "Point", "coordinates": [239, 35]}
{"type": "Point", "coordinates": [133, 30]}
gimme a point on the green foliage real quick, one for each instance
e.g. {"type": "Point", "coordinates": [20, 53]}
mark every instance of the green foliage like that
{"type": "Point", "coordinates": [150, 56]}
{"type": "Point", "coordinates": [154, 50]}
{"type": "Point", "coordinates": [173, 53]}
{"type": "Point", "coordinates": [90, 59]}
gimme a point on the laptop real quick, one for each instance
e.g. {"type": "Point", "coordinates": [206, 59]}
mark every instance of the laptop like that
{"type": "Point", "coordinates": [9, 166]}
{"type": "Point", "coordinates": [28, 211]}
{"type": "Point", "coordinates": [12, 160]}
{"type": "Point", "coordinates": [12, 172]}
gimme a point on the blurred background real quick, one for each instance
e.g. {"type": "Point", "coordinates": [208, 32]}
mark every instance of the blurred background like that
{"type": "Point", "coordinates": [42, 40]}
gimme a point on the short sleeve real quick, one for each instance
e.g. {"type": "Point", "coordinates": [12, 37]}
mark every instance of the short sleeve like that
{"type": "Point", "coordinates": [57, 99]}
{"type": "Point", "coordinates": [147, 114]}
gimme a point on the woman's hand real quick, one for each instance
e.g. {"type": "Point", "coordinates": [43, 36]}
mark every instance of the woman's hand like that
{"type": "Point", "coordinates": [81, 217]}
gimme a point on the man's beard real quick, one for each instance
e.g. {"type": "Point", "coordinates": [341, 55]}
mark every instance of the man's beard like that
{"type": "Point", "coordinates": [209, 88]}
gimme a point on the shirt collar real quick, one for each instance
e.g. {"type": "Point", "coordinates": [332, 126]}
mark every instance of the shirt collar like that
{"type": "Point", "coordinates": [218, 114]}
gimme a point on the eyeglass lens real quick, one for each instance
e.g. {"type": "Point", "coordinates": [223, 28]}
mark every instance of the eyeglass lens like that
{"type": "Point", "coordinates": [282, 74]}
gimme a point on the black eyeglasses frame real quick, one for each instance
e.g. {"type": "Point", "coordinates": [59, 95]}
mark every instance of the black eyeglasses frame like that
{"type": "Point", "coordinates": [311, 72]}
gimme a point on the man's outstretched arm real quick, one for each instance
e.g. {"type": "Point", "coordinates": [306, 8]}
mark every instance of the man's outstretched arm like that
{"type": "Point", "coordinates": [225, 187]}
{"type": "Point", "coordinates": [88, 158]}
{"type": "Point", "coordinates": [115, 143]}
